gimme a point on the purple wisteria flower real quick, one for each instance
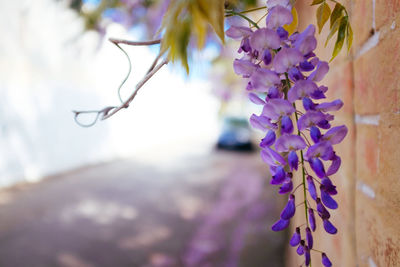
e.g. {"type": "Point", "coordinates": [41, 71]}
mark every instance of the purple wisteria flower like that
{"type": "Point", "coordinates": [283, 75]}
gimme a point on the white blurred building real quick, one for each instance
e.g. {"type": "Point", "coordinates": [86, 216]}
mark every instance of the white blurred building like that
{"type": "Point", "coordinates": [49, 66]}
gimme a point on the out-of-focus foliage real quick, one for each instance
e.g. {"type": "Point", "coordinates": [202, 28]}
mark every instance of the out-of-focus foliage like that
{"type": "Point", "coordinates": [183, 24]}
{"type": "Point", "coordinates": [186, 18]}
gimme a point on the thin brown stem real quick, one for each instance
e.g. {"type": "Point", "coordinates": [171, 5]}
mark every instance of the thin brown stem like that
{"type": "Point", "coordinates": [297, 187]}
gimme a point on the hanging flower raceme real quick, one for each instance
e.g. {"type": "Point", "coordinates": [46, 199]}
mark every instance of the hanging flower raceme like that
{"type": "Point", "coordinates": [283, 73]}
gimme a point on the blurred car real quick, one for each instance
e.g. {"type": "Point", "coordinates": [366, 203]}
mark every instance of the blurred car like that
{"type": "Point", "coordinates": [235, 135]}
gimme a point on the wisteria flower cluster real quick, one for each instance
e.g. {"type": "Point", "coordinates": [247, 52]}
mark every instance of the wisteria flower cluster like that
{"type": "Point", "coordinates": [282, 72]}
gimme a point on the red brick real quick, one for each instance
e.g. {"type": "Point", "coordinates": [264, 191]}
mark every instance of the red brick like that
{"type": "Point", "coordinates": [361, 21]}
{"type": "Point", "coordinates": [376, 79]}
{"type": "Point", "coordinates": [386, 11]}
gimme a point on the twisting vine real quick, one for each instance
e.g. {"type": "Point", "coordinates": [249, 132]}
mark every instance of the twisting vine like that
{"type": "Point", "coordinates": [109, 111]}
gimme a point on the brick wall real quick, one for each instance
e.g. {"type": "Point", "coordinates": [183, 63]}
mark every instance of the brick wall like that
{"type": "Point", "coordinates": [368, 81]}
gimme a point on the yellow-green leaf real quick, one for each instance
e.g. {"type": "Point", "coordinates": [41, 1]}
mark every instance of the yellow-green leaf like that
{"type": "Point", "coordinates": [214, 11]}
{"type": "Point", "coordinates": [336, 13]}
{"type": "Point", "coordinates": [292, 27]}
{"type": "Point", "coordinates": [317, 2]}
{"type": "Point", "coordinates": [323, 13]}
{"type": "Point", "coordinates": [200, 31]}
{"type": "Point", "coordinates": [186, 19]}
{"type": "Point", "coordinates": [349, 37]}
{"type": "Point", "coordinates": [340, 37]}
{"type": "Point", "coordinates": [334, 29]}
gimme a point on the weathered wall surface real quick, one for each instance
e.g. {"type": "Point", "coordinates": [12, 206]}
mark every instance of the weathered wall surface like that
{"type": "Point", "coordinates": [368, 81]}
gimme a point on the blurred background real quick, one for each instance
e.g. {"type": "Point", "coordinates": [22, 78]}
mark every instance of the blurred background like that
{"type": "Point", "coordinates": [172, 181]}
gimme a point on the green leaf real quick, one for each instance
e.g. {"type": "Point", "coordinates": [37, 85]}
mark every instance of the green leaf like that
{"type": "Point", "coordinates": [336, 13]}
{"type": "Point", "coordinates": [317, 2]}
{"type": "Point", "coordinates": [334, 29]}
{"type": "Point", "coordinates": [340, 37]}
{"type": "Point", "coordinates": [323, 13]}
{"type": "Point", "coordinates": [349, 37]}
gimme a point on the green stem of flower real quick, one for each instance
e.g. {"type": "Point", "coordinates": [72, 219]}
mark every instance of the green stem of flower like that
{"type": "Point", "coordinates": [301, 155]}
{"type": "Point", "coordinates": [233, 13]}
{"type": "Point", "coordinates": [246, 11]}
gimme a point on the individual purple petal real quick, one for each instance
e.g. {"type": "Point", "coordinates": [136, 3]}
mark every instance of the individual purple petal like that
{"type": "Point", "coordinates": [311, 219]}
{"type": "Point", "coordinates": [310, 55]}
{"type": "Point", "coordinates": [272, 157]}
{"type": "Point", "coordinates": [305, 41]}
{"type": "Point", "coordinates": [325, 261]}
{"type": "Point", "coordinates": [315, 134]}
{"type": "Point", "coordinates": [266, 57]}
{"type": "Point", "coordinates": [328, 200]}
{"type": "Point", "coordinates": [317, 167]}
{"type": "Point", "coordinates": [309, 238]}
{"type": "Point", "coordinates": [330, 106]}
{"type": "Point", "coordinates": [308, 104]}
{"type": "Point", "coordinates": [286, 125]}
{"type": "Point", "coordinates": [280, 225]}
{"type": "Point", "coordinates": [324, 124]}
{"type": "Point", "coordinates": [309, 119]}
{"type": "Point", "coordinates": [311, 187]}
{"type": "Point", "coordinates": [322, 150]}
{"type": "Point", "coordinates": [336, 134]}
{"type": "Point", "coordinates": [329, 227]}
{"type": "Point", "coordinates": [336, 162]}
{"type": "Point", "coordinates": [279, 176]}
{"type": "Point", "coordinates": [323, 88]}
{"type": "Point", "coordinates": [290, 142]}
{"type": "Point", "coordinates": [306, 66]}
{"type": "Point", "coordinates": [320, 72]}
{"type": "Point", "coordinates": [300, 248]}
{"type": "Point", "coordinates": [245, 46]}
{"type": "Point", "coordinates": [256, 99]}
{"type": "Point", "coordinates": [301, 88]}
{"type": "Point", "coordinates": [290, 209]}
{"type": "Point", "coordinates": [278, 16]}
{"type": "Point", "coordinates": [249, 87]}
{"type": "Point", "coordinates": [286, 58]}
{"type": "Point", "coordinates": [328, 186]}
{"type": "Point", "coordinates": [322, 211]}
{"type": "Point", "coordinates": [293, 160]}
{"type": "Point", "coordinates": [238, 32]}
{"type": "Point", "coordinates": [268, 140]}
{"type": "Point", "coordinates": [244, 67]}
{"type": "Point", "coordinates": [286, 187]}
{"type": "Point", "coordinates": [274, 92]}
{"type": "Point", "coordinates": [307, 45]}
{"type": "Point", "coordinates": [296, 238]}
{"type": "Point", "coordinates": [317, 94]}
{"type": "Point", "coordinates": [275, 108]}
{"type": "Point", "coordinates": [307, 256]}
{"type": "Point", "coordinates": [262, 79]}
{"type": "Point", "coordinates": [295, 74]}
{"type": "Point", "coordinates": [264, 38]}
{"type": "Point", "coordinates": [262, 123]}
{"type": "Point", "coordinates": [254, 54]}
{"type": "Point", "coordinates": [283, 34]}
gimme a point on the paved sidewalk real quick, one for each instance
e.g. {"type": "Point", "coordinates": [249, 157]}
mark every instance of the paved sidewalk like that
{"type": "Point", "coordinates": [205, 210]}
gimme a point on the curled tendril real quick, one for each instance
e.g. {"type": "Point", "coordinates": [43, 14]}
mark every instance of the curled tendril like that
{"type": "Point", "coordinates": [127, 75]}
{"type": "Point", "coordinates": [99, 113]}
{"type": "Point", "coordinates": [107, 112]}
